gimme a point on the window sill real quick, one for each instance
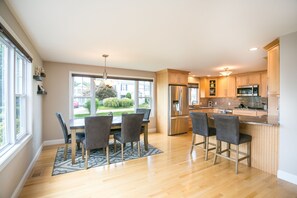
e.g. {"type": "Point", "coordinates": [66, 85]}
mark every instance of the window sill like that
{"type": "Point", "coordinates": [13, 151]}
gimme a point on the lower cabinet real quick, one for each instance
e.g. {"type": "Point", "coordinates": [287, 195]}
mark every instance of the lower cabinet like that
{"type": "Point", "coordinates": [246, 112]}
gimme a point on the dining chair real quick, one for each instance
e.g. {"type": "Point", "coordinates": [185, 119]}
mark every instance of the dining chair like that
{"type": "Point", "coordinates": [200, 127]}
{"type": "Point", "coordinates": [146, 116]}
{"type": "Point", "coordinates": [97, 131]}
{"type": "Point", "coordinates": [227, 130]}
{"type": "Point", "coordinates": [67, 137]}
{"type": "Point", "coordinates": [146, 113]}
{"type": "Point", "coordinates": [130, 131]}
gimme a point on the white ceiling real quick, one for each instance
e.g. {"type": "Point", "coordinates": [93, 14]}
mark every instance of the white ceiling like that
{"type": "Point", "coordinates": [194, 35]}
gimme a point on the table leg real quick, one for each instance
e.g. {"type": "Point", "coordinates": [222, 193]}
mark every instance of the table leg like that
{"type": "Point", "coordinates": [73, 145]}
{"type": "Point", "coordinates": [146, 136]}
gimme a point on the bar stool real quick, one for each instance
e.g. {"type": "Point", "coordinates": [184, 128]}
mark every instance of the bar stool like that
{"type": "Point", "coordinates": [200, 127]}
{"type": "Point", "coordinates": [227, 128]}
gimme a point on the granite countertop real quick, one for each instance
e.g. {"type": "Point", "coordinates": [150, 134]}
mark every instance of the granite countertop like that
{"type": "Point", "coordinates": [257, 120]}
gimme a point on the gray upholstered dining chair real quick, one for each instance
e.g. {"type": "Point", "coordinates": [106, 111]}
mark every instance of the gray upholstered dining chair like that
{"type": "Point", "coordinates": [200, 127]}
{"type": "Point", "coordinates": [67, 137]}
{"type": "Point", "coordinates": [146, 113]}
{"type": "Point", "coordinates": [146, 116]}
{"type": "Point", "coordinates": [130, 131]}
{"type": "Point", "coordinates": [227, 128]}
{"type": "Point", "coordinates": [97, 131]}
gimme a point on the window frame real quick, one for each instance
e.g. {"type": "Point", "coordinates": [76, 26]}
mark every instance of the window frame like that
{"type": "Point", "coordinates": [94, 76]}
{"type": "Point", "coordinates": [14, 144]}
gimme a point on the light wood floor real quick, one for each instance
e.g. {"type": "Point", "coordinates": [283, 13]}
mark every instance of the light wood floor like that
{"type": "Point", "coordinates": [173, 173]}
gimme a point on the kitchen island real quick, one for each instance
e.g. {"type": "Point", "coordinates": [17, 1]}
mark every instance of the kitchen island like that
{"type": "Point", "coordinates": [265, 133]}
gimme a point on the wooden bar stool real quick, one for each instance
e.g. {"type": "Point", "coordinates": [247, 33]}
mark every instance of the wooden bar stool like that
{"type": "Point", "coordinates": [227, 128]}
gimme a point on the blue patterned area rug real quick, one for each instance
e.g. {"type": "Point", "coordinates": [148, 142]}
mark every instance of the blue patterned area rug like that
{"type": "Point", "coordinates": [98, 157]}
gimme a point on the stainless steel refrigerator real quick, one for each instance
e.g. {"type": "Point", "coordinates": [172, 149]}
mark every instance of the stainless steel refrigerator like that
{"type": "Point", "coordinates": [178, 110]}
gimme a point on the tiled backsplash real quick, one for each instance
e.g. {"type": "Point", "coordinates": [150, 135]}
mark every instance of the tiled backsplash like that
{"type": "Point", "coordinates": [231, 103]}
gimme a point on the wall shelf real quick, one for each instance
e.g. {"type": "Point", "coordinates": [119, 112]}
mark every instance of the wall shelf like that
{"type": "Point", "coordinates": [38, 78]}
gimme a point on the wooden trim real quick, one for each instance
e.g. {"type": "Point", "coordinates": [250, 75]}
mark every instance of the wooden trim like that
{"type": "Point", "coordinates": [13, 41]}
{"type": "Point", "coordinates": [173, 70]}
{"type": "Point", "coordinates": [272, 44]}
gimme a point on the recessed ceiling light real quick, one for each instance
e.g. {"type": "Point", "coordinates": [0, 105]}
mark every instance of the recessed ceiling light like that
{"type": "Point", "coordinates": [208, 75]}
{"type": "Point", "coordinates": [253, 49]}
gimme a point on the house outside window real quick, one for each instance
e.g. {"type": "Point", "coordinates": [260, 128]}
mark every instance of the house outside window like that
{"type": "Point", "coordinates": [92, 95]}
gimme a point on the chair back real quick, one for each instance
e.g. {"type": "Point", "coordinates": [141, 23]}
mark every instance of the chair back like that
{"type": "Point", "coordinates": [200, 123]}
{"type": "Point", "coordinates": [227, 128]}
{"type": "Point", "coordinates": [131, 127]}
{"type": "Point", "coordinates": [97, 130]}
{"type": "Point", "coordinates": [146, 113]}
{"type": "Point", "coordinates": [63, 127]}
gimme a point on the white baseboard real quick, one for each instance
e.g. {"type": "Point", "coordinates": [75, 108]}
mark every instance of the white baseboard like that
{"type": "Point", "coordinates": [19, 188]}
{"type": "Point", "coordinates": [152, 130]}
{"type": "Point", "coordinates": [287, 176]}
{"type": "Point", "coordinates": [53, 142]}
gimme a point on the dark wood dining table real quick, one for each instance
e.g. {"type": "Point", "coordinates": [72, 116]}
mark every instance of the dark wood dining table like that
{"type": "Point", "coordinates": [78, 125]}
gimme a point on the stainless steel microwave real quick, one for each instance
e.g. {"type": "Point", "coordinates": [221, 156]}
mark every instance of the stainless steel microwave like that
{"type": "Point", "coordinates": [248, 90]}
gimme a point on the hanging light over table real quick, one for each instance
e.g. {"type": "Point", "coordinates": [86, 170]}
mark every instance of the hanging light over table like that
{"type": "Point", "coordinates": [104, 72]}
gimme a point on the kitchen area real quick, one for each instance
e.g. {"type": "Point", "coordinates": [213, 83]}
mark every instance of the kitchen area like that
{"type": "Point", "coordinates": [253, 96]}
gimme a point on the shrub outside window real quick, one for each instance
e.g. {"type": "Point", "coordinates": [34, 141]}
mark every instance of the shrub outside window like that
{"type": "Point", "coordinates": [99, 97]}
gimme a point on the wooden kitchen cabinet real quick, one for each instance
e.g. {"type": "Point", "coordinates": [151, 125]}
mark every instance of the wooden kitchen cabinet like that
{"type": "Point", "coordinates": [244, 112]}
{"type": "Point", "coordinates": [177, 77]}
{"type": "Point", "coordinates": [273, 77]}
{"type": "Point", "coordinates": [208, 87]}
{"type": "Point", "coordinates": [226, 87]}
{"type": "Point", "coordinates": [273, 70]}
{"type": "Point", "coordinates": [248, 79]}
{"type": "Point", "coordinates": [263, 85]}
{"type": "Point", "coordinates": [164, 78]}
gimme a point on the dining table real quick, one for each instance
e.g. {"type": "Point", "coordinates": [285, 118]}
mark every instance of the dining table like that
{"type": "Point", "coordinates": [78, 125]}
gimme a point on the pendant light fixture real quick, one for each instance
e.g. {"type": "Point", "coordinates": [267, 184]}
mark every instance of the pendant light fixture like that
{"type": "Point", "coordinates": [226, 72]}
{"type": "Point", "coordinates": [104, 72]}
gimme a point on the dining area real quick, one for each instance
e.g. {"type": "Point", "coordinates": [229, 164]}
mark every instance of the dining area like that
{"type": "Point", "coordinates": [97, 132]}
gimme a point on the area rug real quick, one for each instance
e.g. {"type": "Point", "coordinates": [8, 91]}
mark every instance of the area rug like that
{"type": "Point", "coordinates": [98, 157]}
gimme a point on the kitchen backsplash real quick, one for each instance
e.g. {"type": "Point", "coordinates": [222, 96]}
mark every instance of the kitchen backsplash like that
{"type": "Point", "coordinates": [231, 103]}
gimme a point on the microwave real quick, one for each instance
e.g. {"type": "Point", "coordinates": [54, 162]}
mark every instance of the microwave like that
{"type": "Point", "coordinates": [248, 90]}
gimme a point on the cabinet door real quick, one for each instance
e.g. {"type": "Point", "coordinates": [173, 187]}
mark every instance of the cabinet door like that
{"type": "Point", "coordinates": [178, 78]}
{"type": "Point", "coordinates": [273, 70]}
{"type": "Point", "coordinates": [242, 80]}
{"type": "Point", "coordinates": [254, 79]}
{"type": "Point", "coordinates": [212, 87]}
{"type": "Point", "coordinates": [203, 87]}
{"type": "Point", "coordinates": [244, 112]}
{"type": "Point", "coordinates": [231, 88]}
{"type": "Point", "coordinates": [263, 85]}
{"type": "Point", "coordinates": [222, 87]}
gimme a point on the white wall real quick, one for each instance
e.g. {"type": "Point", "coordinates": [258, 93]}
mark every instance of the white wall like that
{"type": "Point", "coordinates": [288, 108]}
{"type": "Point", "coordinates": [14, 172]}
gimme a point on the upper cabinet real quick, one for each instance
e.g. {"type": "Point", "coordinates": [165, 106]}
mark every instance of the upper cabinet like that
{"type": "Point", "coordinates": [226, 86]}
{"type": "Point", "coordinates": [273, 72]}
{"type": "Point", "coordinates": [273, 77]}
{"type": "Point", "coordinates": [177, 77]}
{"type": "Point", "coordinates": [248, 79]}
{"type": "Point", "coordinates": [208, 87]}
{"type": "Point", "coordinates": [263, 84]}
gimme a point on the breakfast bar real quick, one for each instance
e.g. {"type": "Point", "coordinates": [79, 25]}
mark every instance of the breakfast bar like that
{"type": "Point", "coordinates": [265, 133]}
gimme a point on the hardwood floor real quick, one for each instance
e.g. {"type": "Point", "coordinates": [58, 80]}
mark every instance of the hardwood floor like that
{"type": "Point", "coordinates": [173, 173]}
